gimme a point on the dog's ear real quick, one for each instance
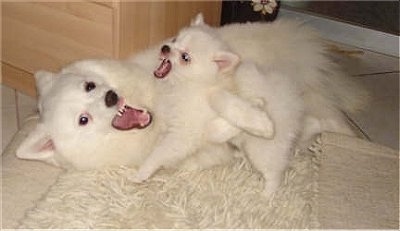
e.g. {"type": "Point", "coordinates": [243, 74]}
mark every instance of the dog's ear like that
{"type": "Point", "coordinates": [38, 145]}
{"type": "Point", "coordinates": [198, 20]}
{"type": "Point", "coordinates": [44, 81]}
{"type": "Point", "coordinates": [226, 61]}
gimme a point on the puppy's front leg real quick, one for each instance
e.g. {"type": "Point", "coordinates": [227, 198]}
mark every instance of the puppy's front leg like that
{"type": "Point", "coordinates": [172, 149]}
{"type": "Point", "coordinates": [242, 114]}
{"type": "Point", "coordinates": [220, 130]}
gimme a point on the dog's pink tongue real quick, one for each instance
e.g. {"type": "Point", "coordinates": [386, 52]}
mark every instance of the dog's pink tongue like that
{"type": "Point", "coordinates": [163, 69]}
{"type": "Point", "coordinates": [131, 118]}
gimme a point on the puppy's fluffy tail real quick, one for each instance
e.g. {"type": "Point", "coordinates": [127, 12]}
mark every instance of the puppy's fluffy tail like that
{"type": "Point", "coordinates": [345, 92]}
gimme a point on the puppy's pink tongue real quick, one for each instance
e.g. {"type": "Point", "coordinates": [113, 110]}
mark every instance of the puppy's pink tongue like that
{"type": "Point", "coordinates": [131, 118]}
{"type": "Point", "coordinates": [163, 69]}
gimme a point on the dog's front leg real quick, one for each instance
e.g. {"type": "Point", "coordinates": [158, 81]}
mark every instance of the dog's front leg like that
{"type": "Point", "coordinates": [220, 130]}
{"type": "Point", "coordinates": [172, 149]}
{"type": "Point", "coordinates": [242, 114]}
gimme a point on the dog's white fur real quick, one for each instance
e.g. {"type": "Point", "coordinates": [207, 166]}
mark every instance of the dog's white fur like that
{"type": "Point", "coordinates": [287, 110]}
{"type": "Point", "coordinates": [295, 50]}
{"type": "Point", "coordinates": [282, 48]}
{"type": "Point", "coordinates": [185, 106]}
{"type": "Point", "coordinates": [302, 90]}
{"type": "Point", "coordinates": [60, 140]}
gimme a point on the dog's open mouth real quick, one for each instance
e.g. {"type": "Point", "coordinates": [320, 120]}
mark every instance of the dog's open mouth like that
{"type": "Point", "coordinates": [130, 118]}
{"type": "Point", "coordinates": [163, 69]}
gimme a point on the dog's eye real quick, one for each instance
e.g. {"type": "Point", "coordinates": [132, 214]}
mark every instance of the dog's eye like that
{"type": "Point", "coordinates": [173, 40]}
{"type": "Point", "coordinates": [89, 86]}
{"type": "Point", "coordinates": [185, 57]}
{"type": "Point", "coordinates": [84, 119]}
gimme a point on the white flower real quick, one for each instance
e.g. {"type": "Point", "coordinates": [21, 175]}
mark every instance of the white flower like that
{"type": "Point", "coordinates": [265, 6]}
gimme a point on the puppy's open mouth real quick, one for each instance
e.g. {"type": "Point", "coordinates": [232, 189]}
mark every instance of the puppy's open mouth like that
{"type": "Point", "coordinates": [130, 118]}
{"type": "Point", "coordinates": [163, 69]}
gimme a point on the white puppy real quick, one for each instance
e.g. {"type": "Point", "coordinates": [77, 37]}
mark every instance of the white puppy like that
{"type": "Point", "coordinates": [299, 86]}
{"type": "Point", "coordinates": [186, 92]}
{"type": "Point", "coordinates": [198, 55]}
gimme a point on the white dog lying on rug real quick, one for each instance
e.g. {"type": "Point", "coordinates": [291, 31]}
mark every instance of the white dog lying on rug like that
{"type": "Point", "coordinates": [79, 111]}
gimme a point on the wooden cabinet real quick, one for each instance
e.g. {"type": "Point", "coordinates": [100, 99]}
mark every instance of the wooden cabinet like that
{"type": "Point", "coordinates": [49, 35]}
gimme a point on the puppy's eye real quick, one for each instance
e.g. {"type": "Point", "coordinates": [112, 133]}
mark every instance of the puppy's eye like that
{"type": "Point", "coordinates": [84, 119]}
{"type": "Point", "coordinates": [185, 57]}
{"type": "Point", "coordinates": [89, 86]}
{"type": "Point", "coordinates": [173, 40]}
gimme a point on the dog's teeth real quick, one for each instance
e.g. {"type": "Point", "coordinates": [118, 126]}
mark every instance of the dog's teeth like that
{"type": "Point", "coordinates": [119, 113]}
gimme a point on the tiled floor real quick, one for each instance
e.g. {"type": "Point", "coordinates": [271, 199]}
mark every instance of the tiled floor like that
{"type": "Point", "coordinates": [379, 73]}
{"type": "Point", "coordinates": [15, 107]}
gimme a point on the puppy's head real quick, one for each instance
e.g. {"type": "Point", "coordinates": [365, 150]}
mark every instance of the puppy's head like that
{"type": "Point", "coordinates": [196, 54]}
{"type": "Point", "coordinates": [81, 111]}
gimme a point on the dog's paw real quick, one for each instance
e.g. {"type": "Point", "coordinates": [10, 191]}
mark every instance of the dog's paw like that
{"type": "Point", "coordinates": [270, 188]}
{"type": "Point", "coordinates": [220, 131]}
{"type": "Point", "coordinates": [260, 125]}
{"type": "Point", "coordinates": [141, 176]}
{"type": "Point", "coordinates": [135, 179]}
{"type": "Point", "coordinates": [258, 102]}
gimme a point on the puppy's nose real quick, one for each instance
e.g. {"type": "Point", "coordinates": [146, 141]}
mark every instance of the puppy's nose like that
{"type": "Point", "coordinates": [111, 98]}
{"type": "Point", "coordinates": [165, 50]}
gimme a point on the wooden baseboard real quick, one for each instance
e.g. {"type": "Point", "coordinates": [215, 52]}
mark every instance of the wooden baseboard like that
{"type": "Point", "coordinates": [345, 33]}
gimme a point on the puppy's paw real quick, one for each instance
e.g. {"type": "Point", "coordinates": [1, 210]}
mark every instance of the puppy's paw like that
{"type": "Point", "coordinates": [220, 131]}
{"type": "Point", "coordinates": [258, 102]}
{"type": "Point", "coordinates": [260, 124]}
{"type": "Point", "coordinates": [135, 179]}
{"type": "Point", "coordinates": [270, 188]}
{"type": "Point", "coordinates": [141, 176]}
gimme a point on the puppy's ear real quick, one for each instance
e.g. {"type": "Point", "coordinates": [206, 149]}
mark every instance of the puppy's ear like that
{"type": "Point", "coordinates": [226, 61]}
{"type": "Point", "coordinates": [44, 81]}
{"type": "Point", "coordinates": [38, 145]}
{"type": "Point", "coordinates": [198, 21]}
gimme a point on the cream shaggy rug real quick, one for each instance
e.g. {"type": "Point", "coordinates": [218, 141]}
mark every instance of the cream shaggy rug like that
{"type": "Point", "coordinates": [222, 197]}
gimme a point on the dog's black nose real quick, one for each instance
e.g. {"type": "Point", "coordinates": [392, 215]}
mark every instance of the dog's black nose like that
{"type": "Point", "coordinates": [165, 50]}
{"type": "Point", "coordinates": [111, 98]}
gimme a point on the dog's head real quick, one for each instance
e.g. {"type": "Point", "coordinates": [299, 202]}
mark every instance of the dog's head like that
{"type": "Point", "coordinates": [91, 113]}
{"type": "Point", "coordinates": [197, 53]}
